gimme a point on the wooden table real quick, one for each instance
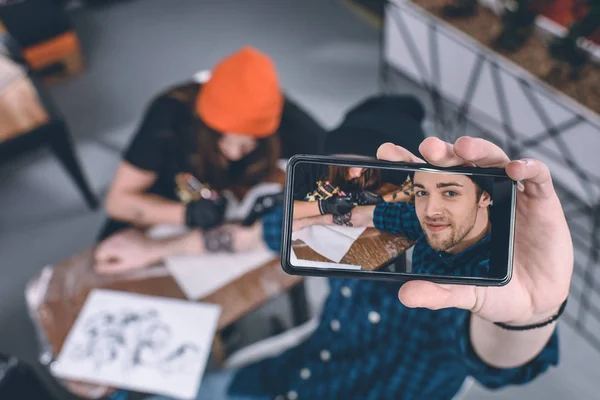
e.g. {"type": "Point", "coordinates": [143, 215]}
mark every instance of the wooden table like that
{"type": "Point", "coordinates": [371, 250]}
{"type": "Point", "coordinates": [56, 296]}
{"type": "Point", "coordinates": [20, 108]}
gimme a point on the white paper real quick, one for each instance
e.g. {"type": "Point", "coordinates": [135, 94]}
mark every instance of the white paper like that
{"type": "Point", "coordinates": [199, 276]}
{"type": "Point", "coordinates": [144, 343]}
{"type": "Point", "coordinates": [330, 241]}
{"type": "Point", "coordinates": [296, 262]}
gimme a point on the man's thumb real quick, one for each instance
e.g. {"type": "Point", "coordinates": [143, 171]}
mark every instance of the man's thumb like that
{"type": "Point", "coordinates": [423, 294]}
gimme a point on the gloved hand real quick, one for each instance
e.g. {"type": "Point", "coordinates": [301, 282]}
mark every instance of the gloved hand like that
{"type": "Point", "coordinates": [262, 206]}
{"type": "Point", "coordinates": [205, 214]}
{"type": "Point", "coordinates": [336, 205]}
{"type": "Point", "coordinates": [367, 198]}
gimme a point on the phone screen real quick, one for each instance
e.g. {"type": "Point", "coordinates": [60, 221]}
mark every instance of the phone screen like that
{"type": "Point", "coordinates": [360, 218]}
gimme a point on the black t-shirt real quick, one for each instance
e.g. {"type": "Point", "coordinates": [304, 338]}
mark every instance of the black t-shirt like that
{"type": "Point", "coordinates": [165, 141]}
{"type": "Point", "coordinates": [307, 175]}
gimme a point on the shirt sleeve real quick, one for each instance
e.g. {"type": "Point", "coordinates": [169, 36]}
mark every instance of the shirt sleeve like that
{"type": "Point", "coordinates": [397, 218]}
{"type": "Point", "coordinates": [147, 149]}
{"type": "Point", "coordinates": [305, 179]}
{"type": "Point", "coordinates": [495, 378]}
{"type": "Point", "coordinates": [272, 225]}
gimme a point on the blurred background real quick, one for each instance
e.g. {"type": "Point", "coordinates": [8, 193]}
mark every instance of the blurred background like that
{"type": "Point", "coordinates": [95, 65]}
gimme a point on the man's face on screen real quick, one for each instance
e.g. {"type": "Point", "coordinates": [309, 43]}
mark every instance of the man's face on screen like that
{"type": "Point", "coordinates": [446, 206]}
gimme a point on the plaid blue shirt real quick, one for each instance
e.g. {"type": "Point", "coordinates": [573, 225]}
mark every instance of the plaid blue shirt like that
{"type": "Point", "coordinates": [272, 223]}
{"type": "Point", "coordinates": [401, 219]}
{"type": "Point", "coordinates": [368, 346]}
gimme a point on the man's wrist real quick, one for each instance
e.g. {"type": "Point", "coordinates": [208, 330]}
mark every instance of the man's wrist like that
{"type": "Point", "coordinates": [188, 243]}
{"type": "Point", "coordinates": [363, 215]}
{"type": "Point", "coordinates": [540, 319]}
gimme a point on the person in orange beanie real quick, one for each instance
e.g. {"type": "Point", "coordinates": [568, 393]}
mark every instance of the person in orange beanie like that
{"type": "Point", "coordinates": [198, 145]}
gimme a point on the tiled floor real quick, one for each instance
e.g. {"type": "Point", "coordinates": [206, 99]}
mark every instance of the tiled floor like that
{"type": "Point", "coordinates": [328, 61]}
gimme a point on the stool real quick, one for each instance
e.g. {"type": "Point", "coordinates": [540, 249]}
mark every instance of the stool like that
{"type": "Point", "coordinates": [57, 58]}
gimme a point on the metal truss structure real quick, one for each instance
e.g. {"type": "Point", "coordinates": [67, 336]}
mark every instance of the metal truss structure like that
{"type": "Point", "coordinates": [468, 84]}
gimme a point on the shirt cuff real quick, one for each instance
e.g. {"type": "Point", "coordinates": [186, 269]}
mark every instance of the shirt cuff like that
{"type": "Point", "coordinates": [382, 215]}
{"type": "Point", "coordinates": [493, 377]}
{"type": "Point", "coordinates": [272, 225]}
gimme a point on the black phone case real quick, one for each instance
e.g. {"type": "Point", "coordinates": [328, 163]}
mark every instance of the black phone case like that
{"type": "Point", "coordinates": [387, 276]}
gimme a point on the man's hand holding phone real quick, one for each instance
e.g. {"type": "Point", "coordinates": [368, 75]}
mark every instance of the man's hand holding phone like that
{"type": "Point", "coordinates": [543, 251]}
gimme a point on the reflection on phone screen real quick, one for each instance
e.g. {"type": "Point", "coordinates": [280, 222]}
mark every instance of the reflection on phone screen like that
{"type": "Point", "coordinates": [399, 221]}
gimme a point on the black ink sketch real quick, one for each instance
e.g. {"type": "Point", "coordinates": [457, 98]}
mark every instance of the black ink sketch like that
{"type": "Point", "coordinates": [134, 340]}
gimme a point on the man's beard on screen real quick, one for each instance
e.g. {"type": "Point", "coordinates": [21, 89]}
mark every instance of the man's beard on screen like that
{"type": "Point", "coordinates": [452, 235]}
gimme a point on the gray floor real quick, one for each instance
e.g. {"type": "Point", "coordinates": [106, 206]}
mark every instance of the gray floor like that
{"type": "Point", "coordinates": [327, 59]}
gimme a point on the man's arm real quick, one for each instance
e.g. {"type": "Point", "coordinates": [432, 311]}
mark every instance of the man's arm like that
{"type": "Point", "coordinates": [363, 216]}
{"type": "Point", "coordinates": [193, 242]}
{"type": "Point", "coordinates": [502, 348]}
{"type": "Point", "coordinates": [395, 218]}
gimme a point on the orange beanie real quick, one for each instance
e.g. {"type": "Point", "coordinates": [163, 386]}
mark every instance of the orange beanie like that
{"type": "Point", "coordinates": [242, 96]}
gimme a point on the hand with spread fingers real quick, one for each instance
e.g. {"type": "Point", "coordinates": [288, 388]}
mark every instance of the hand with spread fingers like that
{"type": "Point", "coordinates": [543, 252]}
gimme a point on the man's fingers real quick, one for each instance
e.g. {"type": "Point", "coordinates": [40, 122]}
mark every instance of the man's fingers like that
{"type": "Point", "coordinates": [440, 153]}
{"type": "Point", "coordinates": [423, 294]}
{"type": "Point", "coordinates": [108, 267]}
{"type": "Point", "coordinates": [534, 174]}
{"type": "Point", "coordinates": [480, 152]}
{"type": "Point", "coordinates": [114, 266]}
{"type": "Point", "coordinates": [391, 152]}
{"type": "Point", "coordinates": [102, 253]}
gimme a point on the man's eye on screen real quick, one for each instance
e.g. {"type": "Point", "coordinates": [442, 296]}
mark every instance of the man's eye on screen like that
{"type": "Point", "coordinates": [450, 193]}
{"type": "Point", "coordinates": [421, 193]}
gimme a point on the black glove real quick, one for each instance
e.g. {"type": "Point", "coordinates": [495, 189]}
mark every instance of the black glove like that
{"type": "Point", "coordinates": [368, 199]}
{"type": "Point", "coordinates": [262, 206]}
{"type": "Point", "coordinates": [205, 214]}
{"type": "Point", "coordinates": [336, 205]}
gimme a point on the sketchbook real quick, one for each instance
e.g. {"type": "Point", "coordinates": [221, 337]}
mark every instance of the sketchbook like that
{"type": "Point", "coordinates": [136, 342]}
{"type": "Point", "coordinates": [330, 241]}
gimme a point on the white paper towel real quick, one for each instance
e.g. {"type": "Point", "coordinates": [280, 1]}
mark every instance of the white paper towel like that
{"type": "Point", "coordinates": [330, 241]}
{"type": "Point", "coordinates": [199, 276]}
{"type": "Point", "coordinates": [296, 262]}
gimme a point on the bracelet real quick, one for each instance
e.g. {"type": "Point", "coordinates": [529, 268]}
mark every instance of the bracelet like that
{"type": "Point", "coordinates": [534, 326]}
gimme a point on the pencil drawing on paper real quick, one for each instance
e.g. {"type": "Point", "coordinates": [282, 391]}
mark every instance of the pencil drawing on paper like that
{"type": "Point", "coordinates": [131, 339]}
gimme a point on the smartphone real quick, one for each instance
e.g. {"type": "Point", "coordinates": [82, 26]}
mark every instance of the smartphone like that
{"type": "Point", "coordinates": [356, 217]}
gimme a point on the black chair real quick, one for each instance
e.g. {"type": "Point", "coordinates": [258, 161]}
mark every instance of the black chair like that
{"type": "Point", "coordinates": [18, 381]}
{"type": "Point", "coordinates": [54, 134]}
{"type": "Point", "coordinates": [33, 21]}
